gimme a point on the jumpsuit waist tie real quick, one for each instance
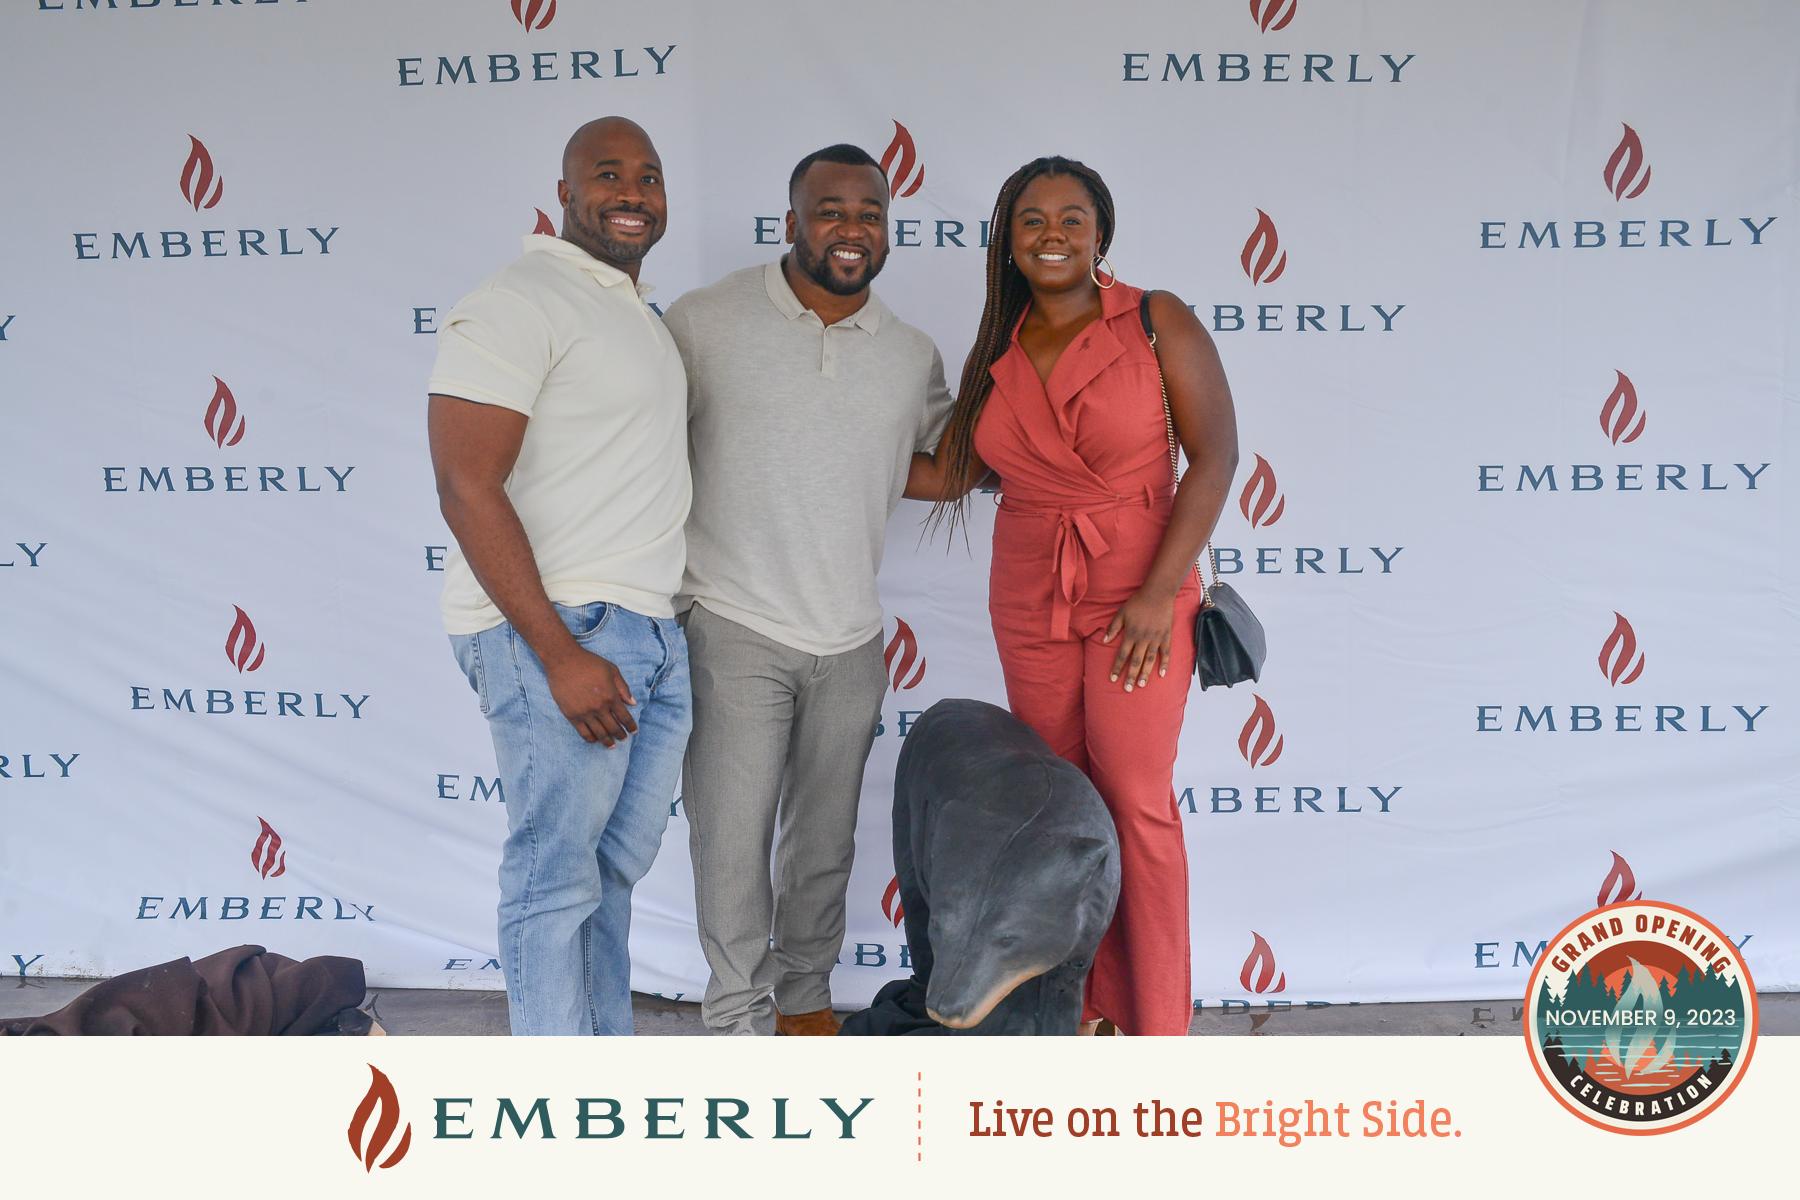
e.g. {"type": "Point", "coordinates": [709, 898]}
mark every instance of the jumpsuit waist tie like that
{"type": "Point", "coordinates": [1077, 540]}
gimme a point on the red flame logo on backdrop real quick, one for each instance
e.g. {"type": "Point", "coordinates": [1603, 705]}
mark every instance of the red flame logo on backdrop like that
{"type": "Point", "coordinates": [1624, 167]}
{"type": "Point", "coordinates": [267, 855]}
{"type": "Point", "coordinates": [1271, 15]}
{"type": "Point", "coordinates": [1257, 734]}
{"type": "Point", "coordinates": [534, 14]}
{"type": "Point", "coordinates": [241, 647]}
{"type": "Point", "coordinates": [1617, 655]}
{"type": "Point", "coordinates": [1261, 501]}
{"type": "Point", "coordinates": [891, 907]}
{"type": "Point", "coordinates": [1619, 884]}
{"type": "Point", "coordinates": [905, 665]}
{"type": "Point", "coordinates": [1620, 407]}
{"type": "Point", "coordinates": [1264, 247]}
{"type": "Point", "coordinates": [543, 223]}
{"type": "Point", "coordinates": [223, 425]}
{"type": "Point", "coordinates": [1259, 968]}
{"type": "Point", "coordinates": [903, 157]}
{"type": "Point", "coordinates": [200, 186]}
{"type": "Point", "coordinates": [381, 1095]}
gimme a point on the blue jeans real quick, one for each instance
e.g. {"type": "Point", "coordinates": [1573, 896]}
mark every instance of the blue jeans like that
{"type": "Point", "coordinates": [583, 822]}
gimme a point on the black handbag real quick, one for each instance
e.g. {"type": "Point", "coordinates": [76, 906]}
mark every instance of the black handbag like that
{"type": "Point", "coordinates": [1229, 646]}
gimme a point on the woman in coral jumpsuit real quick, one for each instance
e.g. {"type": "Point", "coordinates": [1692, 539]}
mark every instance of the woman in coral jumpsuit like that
{"type": "Point", "coordinates": [1092, 592]}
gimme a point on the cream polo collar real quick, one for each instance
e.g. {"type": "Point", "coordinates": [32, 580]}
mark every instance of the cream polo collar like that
{"type": "Point", "coordinates": [866, 318]}
{"type": "Point", "coordinates": [605, 274]}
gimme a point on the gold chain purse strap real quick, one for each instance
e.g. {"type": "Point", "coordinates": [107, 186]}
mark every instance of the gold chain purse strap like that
{"type": "Point", "coordinates": [1174, 453]}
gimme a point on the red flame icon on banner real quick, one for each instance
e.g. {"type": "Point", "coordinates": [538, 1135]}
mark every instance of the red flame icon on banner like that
{"type": "Point", "coordinates": [241, 643]}
{"type": "Point", "coordinates": [543, 223]}
{"type": "Point", "coordinates": [534, 14]}
{"type": "Point", "coordinates": [1257, 734]}
{"type": "Point", "coordinates": [200, 187]}
{"type": "Point", "coordinates": [1618, 654]}
{"type": "Point", "coordinates": [1264, 246]}
{"type": "Point", "coordinates": [1271, 15]}
{"type": "Point", "coordinates": [903, 157]}
{"type": "Point", "coordinates": [1619, 884]}
{"type": "Point", "coordinates": [1622, 169]}
{"type": "Point", "coordinates": [223, 425]}
{"type": "Point", "coordinates": [1261, 501]}
{"type": "Point", "coordinates": [891, 907]}
{"type": "Point", "coordinates": [1259, 969]}
{"type": "Point", "coordinates": [904, 647]}
{"type": "Point", "coordinates": [1620, 407]}
{"type": "Point", "coordinates": [381, 1096]}
{"type": "Point", "coordinates": [267, 856]}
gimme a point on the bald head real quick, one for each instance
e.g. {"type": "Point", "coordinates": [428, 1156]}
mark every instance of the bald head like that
{"type": "Point", "coordinates": [612, 192]}
{"type": "Point", "coordinates": [592, 140]}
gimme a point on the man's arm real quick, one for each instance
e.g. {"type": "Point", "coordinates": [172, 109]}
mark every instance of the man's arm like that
{"type": "Point", "coordinates": [473, 449]}
{"type": "Point", "coordinates": [928, 475]}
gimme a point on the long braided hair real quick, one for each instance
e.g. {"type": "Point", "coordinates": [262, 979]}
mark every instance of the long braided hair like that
{"type": "Point", "coordinates": [1007, 294]}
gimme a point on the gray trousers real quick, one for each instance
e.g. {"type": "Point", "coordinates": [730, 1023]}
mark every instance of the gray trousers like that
{"type": "Point", "coordinates": [779, 744]}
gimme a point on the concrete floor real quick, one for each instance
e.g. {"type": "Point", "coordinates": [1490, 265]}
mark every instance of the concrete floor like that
{"type": "Point", "coordinates": [407, 1011]}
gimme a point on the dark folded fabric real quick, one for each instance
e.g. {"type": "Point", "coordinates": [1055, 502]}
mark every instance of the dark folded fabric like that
{"type": "Point", "coordinates": [897, 1010]}
{"type": "Point", "coordinates": [244, 990]}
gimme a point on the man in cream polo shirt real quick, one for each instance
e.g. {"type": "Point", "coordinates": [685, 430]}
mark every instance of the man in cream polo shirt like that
{"type": "Point", "coordinates": [807, 399]}
{"type": "Point", "coordinates": [558, 433]}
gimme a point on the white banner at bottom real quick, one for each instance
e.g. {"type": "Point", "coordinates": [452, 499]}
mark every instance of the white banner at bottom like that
{"type": "Point", "coordinates": [914, 1117]}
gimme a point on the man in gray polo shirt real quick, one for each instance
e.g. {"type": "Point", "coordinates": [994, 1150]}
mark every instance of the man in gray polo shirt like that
{"type": "Point", "coordinates": [806, 401]}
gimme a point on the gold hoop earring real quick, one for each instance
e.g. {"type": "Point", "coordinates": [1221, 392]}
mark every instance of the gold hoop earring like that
{"type": "Point", "coordinates": [1094, 272]}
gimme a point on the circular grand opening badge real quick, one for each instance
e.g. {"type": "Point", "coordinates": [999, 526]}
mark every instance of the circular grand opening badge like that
{"type": "Point", "coordinates": [1640, 1017]}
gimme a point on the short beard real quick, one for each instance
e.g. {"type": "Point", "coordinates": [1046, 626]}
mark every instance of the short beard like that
{"type": "Point", "coordinates": [819, 271]}
{"type": "Point", "coordinates": [610, 250]}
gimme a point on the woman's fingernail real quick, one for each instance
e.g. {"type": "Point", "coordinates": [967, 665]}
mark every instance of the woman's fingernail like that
{"type": "Point", "coordinates": [1115, 679]}
{"type": "Point", "coordinates": [1128, 687]}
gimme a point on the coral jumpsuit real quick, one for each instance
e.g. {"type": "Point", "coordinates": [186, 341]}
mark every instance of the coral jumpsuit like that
{"type": "Point", "coordinates": [1086, 491]}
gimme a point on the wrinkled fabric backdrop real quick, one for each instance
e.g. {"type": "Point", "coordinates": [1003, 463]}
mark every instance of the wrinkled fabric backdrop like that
{"type": "Point", "coordinates": [1507, 298]}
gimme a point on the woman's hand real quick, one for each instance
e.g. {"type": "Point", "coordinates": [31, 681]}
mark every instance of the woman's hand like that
{"type": "Point", "coordinates": [1147, 625]}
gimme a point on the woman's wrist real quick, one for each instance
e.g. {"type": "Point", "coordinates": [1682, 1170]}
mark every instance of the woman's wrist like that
{"type": "Point", "coordinates": [1157, 587]}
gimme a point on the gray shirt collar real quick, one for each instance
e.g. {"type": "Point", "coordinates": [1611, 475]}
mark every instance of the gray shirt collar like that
{"type": "Point", "coordinates": [866, 318]}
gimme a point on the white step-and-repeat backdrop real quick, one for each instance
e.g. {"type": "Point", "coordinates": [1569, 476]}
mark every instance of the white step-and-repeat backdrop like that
{"type": "Point", "coordinates": [1509, 297]}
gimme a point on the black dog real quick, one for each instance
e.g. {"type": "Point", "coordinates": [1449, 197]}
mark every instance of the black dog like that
{"type": "Point", "coordinates": [1009, 871]}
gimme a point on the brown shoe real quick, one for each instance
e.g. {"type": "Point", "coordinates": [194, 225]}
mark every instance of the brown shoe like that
{"type": "Point", "coordinates": [819, 1023]}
